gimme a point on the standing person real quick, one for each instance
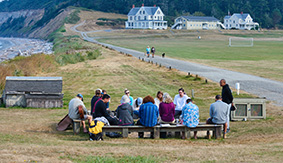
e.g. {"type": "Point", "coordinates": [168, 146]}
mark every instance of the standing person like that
{"type": "Point", "coordinates": [100, 110]}
{"type": "Point", "coordinates": [75, 113]}
{"type": "Point", "coordinates": [125, 112]}
{"type": "Point", "coordinates": [94, 99]}
{"type": "Point", "coordinates": [127, 92]}
{"type": "Point", "coordinates": [227, 97]}
{"type": "Point", "coordinates": [167, 109]}
{"type": "Point", "coordinates": [190, 116]}
{"type": "Point", "coordinates": [218, 112]}
{"type": "Point", "coordinates": [148, 113]}
{"type": "Point", "coordinates": [147, 51]}
{"type": "Point", "coordinates": [180, 102]}
{"type": "Point", "coordinates": [158, 99]}
{"type": "Point", "coordinates": [152, 52]}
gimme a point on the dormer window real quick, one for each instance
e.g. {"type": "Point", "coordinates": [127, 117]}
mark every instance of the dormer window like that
{"type": "Point", "coordinates": [143, 12]}
{"type": "Point", "coordinates": [140, 12]}
{"type": "Point", "coordinates": [158, 12]}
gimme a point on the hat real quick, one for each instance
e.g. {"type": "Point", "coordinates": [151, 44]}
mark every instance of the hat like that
{"type": "Point", "coordinates": [81, 96]}
{"type": "Point", "coordinates": [125, 99]}
{"type": "Point", "coordinates": [139, 101]}
{"type": "Point", "coordinates": [98, 89]}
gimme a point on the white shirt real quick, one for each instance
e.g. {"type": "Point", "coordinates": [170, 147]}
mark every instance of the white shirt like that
{"type": "Point", "coordinates": [180, 102]}
{"type": "Point", "coordinates": [157, 102]}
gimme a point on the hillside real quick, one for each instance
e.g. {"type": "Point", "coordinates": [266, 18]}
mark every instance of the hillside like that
{"type": "Point", "coordinates": [267, 13]}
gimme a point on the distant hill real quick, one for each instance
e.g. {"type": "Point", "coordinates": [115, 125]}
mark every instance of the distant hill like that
{"type": "Point", "coordinates": [267, 12]}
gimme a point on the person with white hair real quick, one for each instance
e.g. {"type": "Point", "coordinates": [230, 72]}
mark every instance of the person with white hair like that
{"type": "Point", "coordinates": [125, 112]}
{"type": "Point", "coordinates": [167, 109]}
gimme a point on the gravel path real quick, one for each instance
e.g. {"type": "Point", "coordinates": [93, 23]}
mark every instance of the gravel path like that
{"type": "Point", "coordinates": [272, 90]}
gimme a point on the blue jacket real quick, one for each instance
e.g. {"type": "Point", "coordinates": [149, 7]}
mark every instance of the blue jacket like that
{"type": "Point", "coordinates": [148, 114]}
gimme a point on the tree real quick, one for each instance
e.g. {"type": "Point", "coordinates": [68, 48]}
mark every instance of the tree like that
{"type": "Point", "coordinates": [276, 16]}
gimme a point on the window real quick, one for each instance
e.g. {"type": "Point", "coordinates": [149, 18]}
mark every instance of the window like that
{"type": "Point", "coordinates": [227, 21]}
{"type": "Point", "coordinates": [226, 25]}
{"type": "Point", "coordinates": [144, 17]}
{"type": "Point", "coordinates": [234, 21]}
{"type": "Point", "coordinates": [184, 25]}
{"type": "Point", "coordinates": [158, 12]}
{"type": "Point", "coordinates": [143, 12]}
{"type": "Point", "coordinates": [139, 18]}
{"type": "Point", "coordinates": [129, 24]}
{"type": "Point", "coordinates": [140, 12]}
{"type": "Point", "coordinates": [131, 18]}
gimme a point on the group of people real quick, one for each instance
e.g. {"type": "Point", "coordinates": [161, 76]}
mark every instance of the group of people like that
{"type": "Point", "coordinates": [149, 111]}
{"type": "Point", "coordinates": [150, 50]}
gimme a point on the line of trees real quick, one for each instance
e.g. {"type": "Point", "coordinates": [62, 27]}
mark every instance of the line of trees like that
{"type": "Point", "coordinates": [267, 12]}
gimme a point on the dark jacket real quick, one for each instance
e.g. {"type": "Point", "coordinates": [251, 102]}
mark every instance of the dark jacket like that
{"type": "Point", "coordinates": [93, 101]}
{"type": "Point", "coordinates": [227, 96]}
{"type": "Point", "coordinates": [125, 113]}
{"type": "Point", "coordinates": [100, 110]}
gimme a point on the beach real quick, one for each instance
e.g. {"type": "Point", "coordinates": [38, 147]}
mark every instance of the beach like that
{"type": "Point", "coordinates": [12, 47]}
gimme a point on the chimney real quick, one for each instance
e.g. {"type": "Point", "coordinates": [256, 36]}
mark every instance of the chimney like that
{"type": "Point", "coordinates": [242, 13]}
{"type": "Point", "coordinates": [142, 5]}
{"type": "Point", "coordinates": [133, 6]}
{"type": "Point", "coordinates": [154, 5]}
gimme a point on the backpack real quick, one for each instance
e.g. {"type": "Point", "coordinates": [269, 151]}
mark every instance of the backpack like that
{"type": "Point", "coordinates": [64, 123]}
{"type": "Point", "coordinates": [95, 130]}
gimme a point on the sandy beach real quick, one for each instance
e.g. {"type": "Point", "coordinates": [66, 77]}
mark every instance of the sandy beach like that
{"type": "Point", "coordinates": [12, 47]}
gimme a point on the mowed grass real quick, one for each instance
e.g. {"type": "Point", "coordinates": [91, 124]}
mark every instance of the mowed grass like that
{"type": "Point", "coordinates": [265, 56]}
{"type": "Point", "coordinates": [29, 135]}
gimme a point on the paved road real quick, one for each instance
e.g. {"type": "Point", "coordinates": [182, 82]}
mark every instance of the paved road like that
{"type": "Point", "coordinates": [272, 90]}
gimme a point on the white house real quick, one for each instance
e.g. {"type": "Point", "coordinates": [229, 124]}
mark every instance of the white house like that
{"type": "Point", "coordinates": [241, 21]}
{"type": "Point", "coordinates": [197, 23]}
{"type": "Point", "coordinates": [146, 18]}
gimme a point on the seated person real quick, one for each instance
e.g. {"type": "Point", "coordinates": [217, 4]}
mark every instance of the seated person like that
{"type": "Point", "coordinates": [74, 114]}
{"type": "Point", "coordinates": [125, 112]}
{"type": "Point", "coordinates": [95, 99]}
{"type": "Point", "coordinates": [180, 101]}
{"type": "Point", "coordinates": [190, 116]}
{"type": "Point", "coordinates": [167, 109]}
{"type": "Point", "coordinates": [218, 112]}
{"type": "Point", "coordinates": [136, 107]}
{"type": "Point", "coordinates": [100, 110]}
{"type": "Point", "coordinates": [148, 114]}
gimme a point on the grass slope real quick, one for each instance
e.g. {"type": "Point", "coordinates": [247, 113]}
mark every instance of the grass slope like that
{"type": "Point", "coordinates": [32, 136]}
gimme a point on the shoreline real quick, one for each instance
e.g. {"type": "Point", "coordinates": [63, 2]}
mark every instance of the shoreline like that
{"type": "Point", "coordinates": [23, 47]}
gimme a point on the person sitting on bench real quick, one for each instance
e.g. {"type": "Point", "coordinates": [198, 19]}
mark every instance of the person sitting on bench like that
{"type": "Point", "coordinates": [148, 114]}
{"type": "Point", "coordinates": [100, 110]}
{"type": "Point", "coordinates": [74, 112]}
{"type": "Point", "coordinates": [125, 112]}
{"type": "Point", "coordinates": [167, 109]}
{"type": "Point", "coordinates": [218, 112]}
{"type": "Point", "coordinates": [190, 116]}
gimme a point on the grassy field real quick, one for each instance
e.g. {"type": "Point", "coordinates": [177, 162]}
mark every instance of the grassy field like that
{"type": "Point", "coordinates": [29, 135]}
{"type": "Point", "coordinates": [263, 59]}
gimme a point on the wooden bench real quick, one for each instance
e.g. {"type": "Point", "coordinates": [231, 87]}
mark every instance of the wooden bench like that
{"type": "Point", "coordinates": [216, 129]}
{"type": "Point", "coordinates": [76, 126]}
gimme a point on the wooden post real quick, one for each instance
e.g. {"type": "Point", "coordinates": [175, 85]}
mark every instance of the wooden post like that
{"type": "Point", "coordinates": [193, 93]}
{"type": "Point", "coordinates": [142, 59]}
{"type": "Point", "coordinates": [169, 67]}
{"type": "Point", "coordinates": [187, 133]}
{"type": "Point", "coordinates": [189, 74]}
{"type": "Point", "coordinates": [76, 126]}
{"type": "Point", "coordinates": [160, 65]}
{"type": "Point", "coordinates": [206, 81]}
{"type": "Point", "coordinates": [156, 133]}
{"type": "Point", "coordinates": [125, 132]}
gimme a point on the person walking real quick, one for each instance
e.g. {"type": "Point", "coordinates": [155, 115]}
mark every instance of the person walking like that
{"type": "Point", "coordinates": [147, 51]}
{"type": "Point", "coordinates": [227, 97]}
{"type": "Point", "coordinates": [152, 52]}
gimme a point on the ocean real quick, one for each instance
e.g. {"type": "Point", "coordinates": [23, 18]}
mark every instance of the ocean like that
{"type": "Point", "coordinates": [4, 44]}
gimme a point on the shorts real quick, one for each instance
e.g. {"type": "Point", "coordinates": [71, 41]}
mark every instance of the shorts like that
{"type": "Point", "coordinates": [147, 52]}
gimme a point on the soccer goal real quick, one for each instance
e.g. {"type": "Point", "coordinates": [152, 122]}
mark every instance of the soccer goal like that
{"type": "Point", "coordinates": [241, 42]}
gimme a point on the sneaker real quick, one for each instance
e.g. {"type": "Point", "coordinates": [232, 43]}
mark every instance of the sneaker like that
{"type": "Point", "coordinates": [228, 130]}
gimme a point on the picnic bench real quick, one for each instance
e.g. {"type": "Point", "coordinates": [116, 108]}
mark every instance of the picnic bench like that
{"type": "Point", "coordinates": [216, 129]}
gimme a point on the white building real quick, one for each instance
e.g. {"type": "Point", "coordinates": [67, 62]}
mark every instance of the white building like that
{"type": "Point", "coordinates": [240, 21]}
{"type": "Point", "coordinates": [146, 18]}
{"type": "Point", "coordinates": [197, 23]}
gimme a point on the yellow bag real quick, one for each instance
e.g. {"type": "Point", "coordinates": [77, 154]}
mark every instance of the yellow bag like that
{"type": "Point", "coordinates": [95, 127]}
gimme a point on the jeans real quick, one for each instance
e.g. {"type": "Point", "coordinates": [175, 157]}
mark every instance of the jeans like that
{"type": "Point", "coordinates": [228, 116]}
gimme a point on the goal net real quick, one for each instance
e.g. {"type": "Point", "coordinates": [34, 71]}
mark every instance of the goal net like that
{"type": "Point", "coordinates": [241, 42]}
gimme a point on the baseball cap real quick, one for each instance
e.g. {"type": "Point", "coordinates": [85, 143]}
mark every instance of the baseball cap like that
{"type": "Point", "coordinates": [81, 96]}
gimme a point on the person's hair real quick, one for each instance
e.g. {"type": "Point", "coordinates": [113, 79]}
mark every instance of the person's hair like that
{"type": "Point", "coordinates": [103, 91]}
{"type": "Point", "coordinates": [217, 97]}
{"type": "Point", "coordinates": [159, 92]}
{"type": "Point", "coordinates": [181, 89]}
{"type": "Point", "coordinates": [97, 93]}
{"type": "Point", "coordinates": [167, 98]}
{"type": "Point", "coordinates": [223, 80]}
{"type": "Point", "coordinates": [189, 100]}
{"type": "Point", "coordinates": [126, 90]}
{"type": "Point", "coordinates": [148, 99]}
{"type": "Point", "coordinates": [105, 96]}
{"type": "Point", "coordinates": [125, 99]}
